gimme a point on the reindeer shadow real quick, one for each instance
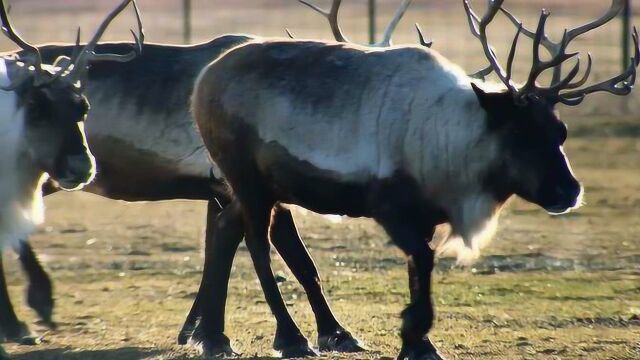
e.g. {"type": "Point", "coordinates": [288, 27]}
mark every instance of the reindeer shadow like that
{"type": "Point", "coordinates": [128, 353]}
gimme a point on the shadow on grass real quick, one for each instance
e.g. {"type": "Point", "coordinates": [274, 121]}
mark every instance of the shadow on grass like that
{"type": "Point", "coordinates": [128, 353]}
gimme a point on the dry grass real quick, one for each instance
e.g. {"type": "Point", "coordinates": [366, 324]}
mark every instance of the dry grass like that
{"type": "Point", "coordinates": [126, 273]}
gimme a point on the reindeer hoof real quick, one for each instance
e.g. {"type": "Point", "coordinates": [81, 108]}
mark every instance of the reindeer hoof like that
{"type": "Point", "coordinates": [217, 346]}
{"type": "Point", "coordinates": [16, 332]}
{"type": "Point", "coordinates": [40, 299]}
{"type": "Point", "coordinates": [297, 351]}
{"type": "Point", "coordinates": [30, 340]}
{"type": "Point", "coordinates": [422, 351]}
{"type": "Point", "coordinates": [220, 348]}
{"type": "Point", "coordinates": [219, 351]}
{"type": "Point", "coordinates": [186, 333]}
{"type": "Point", "coordinates": [184, 336]}
{"type": "Point", "coordinates": [340, 341]}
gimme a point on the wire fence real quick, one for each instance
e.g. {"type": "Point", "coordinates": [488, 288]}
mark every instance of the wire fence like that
{"type": "Point", "coordinates": [441, 20]}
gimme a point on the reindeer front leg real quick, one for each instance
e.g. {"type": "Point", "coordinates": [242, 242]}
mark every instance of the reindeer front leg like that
{"type": "Point", "coordinates": [40, 287]}
{"type": "Point", "coordinates": [11, 329]}
{"type": "Point", "coordinates": [418, 316]}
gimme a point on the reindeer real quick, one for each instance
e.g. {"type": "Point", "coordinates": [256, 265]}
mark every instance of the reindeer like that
{"type": "Point", "coordinates": [400, 135]}
{"type": "Point", "coordinates": [42, 136]}
{"type": "Point", "coordinates": [140, 128]}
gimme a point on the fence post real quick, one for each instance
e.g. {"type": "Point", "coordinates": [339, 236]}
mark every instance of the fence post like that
{"type": "Point", "coordinates": [186, 21]}
{"type": "Point", "coordinates": [626, 27]}
{"type": "Point", "coordinates": [372, 21]}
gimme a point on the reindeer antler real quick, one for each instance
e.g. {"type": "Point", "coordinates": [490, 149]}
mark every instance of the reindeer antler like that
{"type": "Point", "coordinates": [554, 48]}
{"type": "Point", "coordinates": [70, 67]}
{"type": "Point", "coordinates": [619, 85]}
{"type": "Point", "coordinates": [478, 29]}
{"type": "Point", "coordinates": [88, 53]}
{"type": "Point", "coordinates": [332, 17]}
{"type": "Point", "coordinates": [33, 54]}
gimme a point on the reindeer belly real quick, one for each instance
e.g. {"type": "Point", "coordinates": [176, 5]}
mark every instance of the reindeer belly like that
{"type": "Point", "coordinates": [127, 172]}
{"type": "Point", "coordinates": [146, 155]}
{"type": "Point", "coordinates": [299, 182]}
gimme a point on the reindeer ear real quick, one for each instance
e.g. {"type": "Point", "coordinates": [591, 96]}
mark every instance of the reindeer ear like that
{"type": "Point", "coordinates": [484, 98]}
{"type": "Point", "coordinates": [495, 106]}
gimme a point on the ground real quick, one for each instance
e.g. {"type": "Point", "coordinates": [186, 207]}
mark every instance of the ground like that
{"type": "Point", "coordinates": [547, 287]}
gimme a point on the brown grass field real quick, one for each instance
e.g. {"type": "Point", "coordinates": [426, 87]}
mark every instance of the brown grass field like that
{"type": "Point", "coordinates": [547, 288]}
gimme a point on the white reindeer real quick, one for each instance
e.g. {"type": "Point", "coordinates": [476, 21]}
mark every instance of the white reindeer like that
{"type": "Point", "coordinates": [41, 131]}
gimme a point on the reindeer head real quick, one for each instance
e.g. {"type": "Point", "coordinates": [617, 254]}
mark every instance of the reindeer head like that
{"type": "Point", "coordinates": [524, 117]}
{"type": "Point", "coordinates": [51, 103]}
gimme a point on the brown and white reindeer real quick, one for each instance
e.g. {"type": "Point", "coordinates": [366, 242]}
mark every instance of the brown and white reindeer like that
{"type": "Point", "coordinates": [140, 127]}
{"type": "Point", "coordinates": [41, 135]}
{"type": "Point", "coordinates": [400, 135]}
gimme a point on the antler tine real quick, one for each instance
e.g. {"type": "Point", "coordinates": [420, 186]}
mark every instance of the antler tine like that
{"type": "Point", "coordinates": [138, 40]}
{"type": "Point", "coordinates": [552, 48]}
{"type": "Point", "coordinates": [388, 32]}
{"type": "Point", "coordinates": [289, 33]}
{"type": "Point", "coordinates": [66, 61]}
{"type": "Point", "coordinates": [614, 10]}
{"type": "Point", "coordinates": [566, 84]}
{"type": "Point", "coordinates": [482, 73]}
{"type": "Point", "coordinates": [332, 17]}
{"type": "Point", "coordinates": [636, 49]}
{"type": "Point", "coordinates": [422, 39]}
{"type": "Point", "coordinates": [88, 54]}
{"type": "Point", "coordinates": [585, 77]}
{"type": "Point", "coordinates": [472, 19]}
{"type": "Point", "coordinates": [478, 29]}
{"type": "Point", "coordinates": [618, 85]}
{"type": "Point", "coordinates": [538, 65]}
{"type": "Point", "coordinates": [512, 53]}
{"type": "Point", "coordinates": [13, 35]}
